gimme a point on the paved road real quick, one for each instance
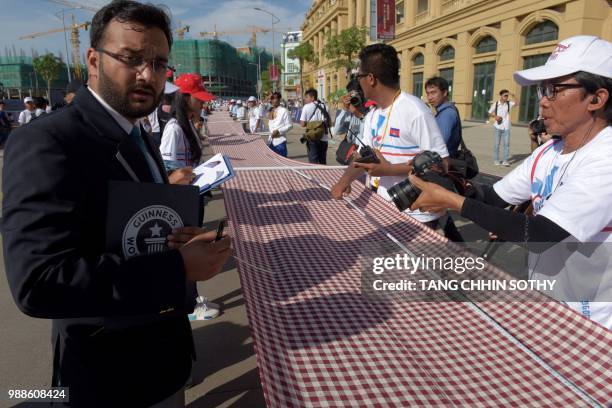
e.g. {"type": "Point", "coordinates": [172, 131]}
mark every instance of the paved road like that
{"type": "Point", "coordinates": [226, 373]}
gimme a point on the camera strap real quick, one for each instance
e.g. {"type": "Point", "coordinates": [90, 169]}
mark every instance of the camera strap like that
{"type": "Point", "coordinates": [375, 181]}
{"type": "Point", "coordinates": [387, 120]}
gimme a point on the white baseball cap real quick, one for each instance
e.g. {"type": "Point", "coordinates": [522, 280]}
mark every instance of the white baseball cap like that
{"type": "Point", "coordinates": [28, 99]}
{"type": "Point", "coordinates": [252, 99]}
{"type": "Point", "coordinates": [233, 101]}
{"type": "Point", "coordinates": [169, 88]}
{"type": "Point", "coordinates": [238, 102]}
{"type": "Point", "coordinates": [580, 53]}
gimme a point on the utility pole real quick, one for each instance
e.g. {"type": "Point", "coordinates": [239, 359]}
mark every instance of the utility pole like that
{"type": "Point", "coordinates": [273, 22]}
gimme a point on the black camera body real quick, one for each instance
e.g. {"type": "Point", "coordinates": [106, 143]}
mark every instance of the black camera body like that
{"type": "Point", "coordinates": [367, 155]}
{"type": "Point", "coordinates": [537, 127]}
{"type": "Point", "coordinates": [428, 166]}
{"type": "Point", "coordinates": [357, 96]}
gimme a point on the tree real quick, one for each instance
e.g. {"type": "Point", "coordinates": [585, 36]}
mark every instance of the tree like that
{"type": "Point", "coordinates": [48, 66]}
{"type": "Point", "coordinates": [303, 53]}
{"type": "Point", "coordinates": [343, 47]}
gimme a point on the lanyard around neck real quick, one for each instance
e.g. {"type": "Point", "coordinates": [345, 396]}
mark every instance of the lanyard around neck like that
{"type": "Point", "coordinates": [384, 135]}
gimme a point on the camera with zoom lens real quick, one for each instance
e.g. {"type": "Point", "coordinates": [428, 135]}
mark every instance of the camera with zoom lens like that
{"type": "Point", "coordinates": [357, 97]}
{"type": "Point", "coordinates": [428, 166]}
{"type": "Point", "coordinates": [367, 155]}
{"type": "Point", "coordinates": [537, 127]}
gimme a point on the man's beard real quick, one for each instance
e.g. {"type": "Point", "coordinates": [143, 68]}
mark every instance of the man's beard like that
{"type": "Point", "coordinates": [119, 100]}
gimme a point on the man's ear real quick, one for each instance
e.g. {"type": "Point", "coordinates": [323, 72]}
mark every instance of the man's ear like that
{"type": "Point", "coordinates": [93, 62]}
{"type": "Point", "coordinates": [599, 100]}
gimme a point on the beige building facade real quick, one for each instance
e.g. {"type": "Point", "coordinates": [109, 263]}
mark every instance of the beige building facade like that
{"type": "Point", "coordinates": [475, 44]}
{"type": "Point", "coordinates": [323, 19]}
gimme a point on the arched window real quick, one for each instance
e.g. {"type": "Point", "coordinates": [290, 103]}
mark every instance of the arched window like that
{"type": "Point", "coordinates": [487, 44]}
{"type": "Point", "coordinates": [418, 59]}
{"type": "Point", "coordinates": [448, 53]}
{"type": "Point", "coordinates": [546, 31]}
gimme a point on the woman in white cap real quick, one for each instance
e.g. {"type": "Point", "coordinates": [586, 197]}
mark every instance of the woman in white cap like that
{"type": "Point", "coordinates": [27, 114]}
{"type": "Point", "coordinates": [253, 114]}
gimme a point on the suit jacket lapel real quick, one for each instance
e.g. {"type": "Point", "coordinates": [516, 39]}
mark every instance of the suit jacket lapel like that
{"type": "Point", "coordinates": [128, 153]}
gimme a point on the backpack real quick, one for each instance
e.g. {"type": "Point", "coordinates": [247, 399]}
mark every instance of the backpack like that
{"type": "Point", "coordinates": [499, 122]}
{"type": "Point", "coordinates": [315, 129]}
{"type": "Point", "coordinates": [463, 162]}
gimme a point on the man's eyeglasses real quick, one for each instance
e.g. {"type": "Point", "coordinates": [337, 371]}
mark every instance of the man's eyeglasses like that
{"type": "Point", "coordinates": [551, 90]}
{"type": "Point", "coordinates": [359, 76]}
{"type": "Point", "coordinates": [139, 63]}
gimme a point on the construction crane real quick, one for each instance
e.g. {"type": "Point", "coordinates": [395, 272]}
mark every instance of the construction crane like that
{"type": "Point", "coordinates": [253, 31]}
{"type": "Point", "coordinates": [73, 4]}
{"type": "Point", "coordinates": [74, 42]}
{"type": "Point", "coordinates": [181, 31]}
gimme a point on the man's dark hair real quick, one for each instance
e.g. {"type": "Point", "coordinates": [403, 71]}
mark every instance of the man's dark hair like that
{"type": "Point", "coordinates": [591, 83]}
{"type": "Point", "coordinates": [40, 102]}
{"type": "Point", "coordinates": [126, 10]}
{"type": "Point", "coordinates": [277, 95]}
{"type": "Point", "coordinates": [312, 92]}
{"type": "Point", "coordinates": [503, 91]}
{"type": "Point", "coordinates": [438, 82]}
{"type": "Point", "coordinates": [2, 103]}
{"type": "Point", "coordinates": [381, 61]}
{"type": "Point", "coordinates": [168, 99]}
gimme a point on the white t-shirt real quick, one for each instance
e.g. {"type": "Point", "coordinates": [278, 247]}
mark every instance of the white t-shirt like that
{"type": "Point", "coordinates": [574, 191]}
{"type": "Point", "coordinates": [282, 123]}
{"type": "Point", "coordinates": [241, 113]}
{"type": "Point", "coordinates": [254, 115]}
{"type": "Point", "coordinates": [174, 145]}
{"type": "Point", "coordinates": [25, 117]}
{"type": "Point", "coordinates": [503, 110]}
{"type": "Point", "coordinates": [311, 113]}
{"type": "Point", "coordinates": [410, 130]}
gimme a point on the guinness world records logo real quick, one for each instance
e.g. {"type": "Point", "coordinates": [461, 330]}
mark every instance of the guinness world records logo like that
{"type": "Point", "coordinates": [147, 230]}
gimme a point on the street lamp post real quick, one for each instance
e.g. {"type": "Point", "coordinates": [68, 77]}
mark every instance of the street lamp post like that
{"type": "Point", "coordinates": [63, 11]}
{"type": "Point", "coordinates": [273, 22]}
{"type": "Point", "coordinates": [258, 78]}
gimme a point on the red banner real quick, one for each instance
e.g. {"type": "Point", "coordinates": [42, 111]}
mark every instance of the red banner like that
{"type": "Point", "coordinates": [273, 71]}
{"type": "Point", "coordinates": [385, 19]}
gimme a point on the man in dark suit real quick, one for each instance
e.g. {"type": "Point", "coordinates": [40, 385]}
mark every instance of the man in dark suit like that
{"type": "Point", "coordinates": [121, 335]}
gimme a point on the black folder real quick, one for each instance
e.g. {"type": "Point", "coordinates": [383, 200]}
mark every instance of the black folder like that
{"type": "Point", "coordinates": [141, 215]}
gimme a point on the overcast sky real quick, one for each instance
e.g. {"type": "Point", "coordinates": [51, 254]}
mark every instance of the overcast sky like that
{"type": "Point", "coordinates": [20, 17]}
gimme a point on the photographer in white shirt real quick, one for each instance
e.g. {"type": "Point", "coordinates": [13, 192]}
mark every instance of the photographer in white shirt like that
{"type": "Point", "coordinates": [568, 181]}
{"type": "Point", "coordinates": [400, 127]}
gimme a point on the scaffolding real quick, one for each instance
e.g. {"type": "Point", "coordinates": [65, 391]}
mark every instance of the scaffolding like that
{"type": "Point", "coordinates": [226, 71]}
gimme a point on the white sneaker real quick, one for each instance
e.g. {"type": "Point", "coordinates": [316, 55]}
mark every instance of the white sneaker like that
{"type": "Point", "coordinates": [204, 310]}
{"type": "Point", "coordinates": [505, 163]}
{"type": "Point", "coordinates": [497, 162]}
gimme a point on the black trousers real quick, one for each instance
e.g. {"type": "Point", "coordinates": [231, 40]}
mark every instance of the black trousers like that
{"type": "Point", "coordinates": [317, 152]}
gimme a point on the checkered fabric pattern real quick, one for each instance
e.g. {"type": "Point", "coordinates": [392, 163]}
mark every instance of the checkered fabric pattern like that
{"type": "Point", "coordinates": [321, 343]}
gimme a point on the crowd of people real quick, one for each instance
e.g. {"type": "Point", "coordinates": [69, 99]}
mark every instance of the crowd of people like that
{"type": "Point", "coordinates": [129, 122]}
